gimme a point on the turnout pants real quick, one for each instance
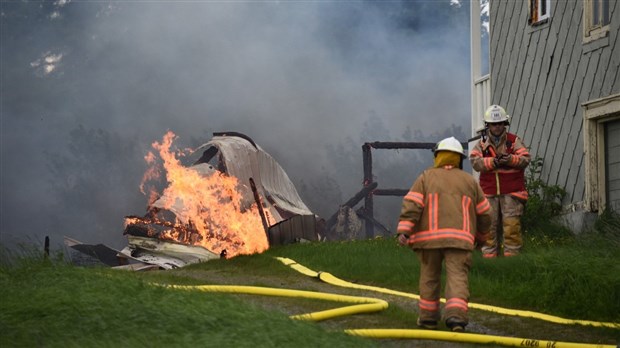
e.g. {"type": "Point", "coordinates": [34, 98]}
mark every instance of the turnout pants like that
{"type": "Point", "coordinates": [458, 262]}
{"type": "Point", "coordinates": [509, 210]}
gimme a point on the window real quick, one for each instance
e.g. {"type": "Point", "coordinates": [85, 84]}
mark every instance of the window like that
{"type": "Point", "coordinates": [540, 11]}
{"type": "Point", "coordinates": [595, 19]}
{"type": "Point", "coordinates": [602, 150]}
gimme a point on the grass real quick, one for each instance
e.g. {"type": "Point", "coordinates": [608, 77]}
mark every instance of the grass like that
{"type": "Point", "coordinates": [49, 303]}
{"type": "Point", "coordinates": [566, 281]}
{"type": "Point", "coordinates": [56, 305]}
{"type": "Point", "coordinates": [575, 279]}
{"type": "Point", "coordinates": [375, 262]}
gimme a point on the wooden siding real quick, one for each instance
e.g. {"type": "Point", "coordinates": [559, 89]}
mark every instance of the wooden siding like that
{"type": "Point", "coordinates": [542, 74]}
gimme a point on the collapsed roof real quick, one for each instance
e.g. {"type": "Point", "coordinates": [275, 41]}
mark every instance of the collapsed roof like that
{"type": "Point", "coordinates": [237, 155]}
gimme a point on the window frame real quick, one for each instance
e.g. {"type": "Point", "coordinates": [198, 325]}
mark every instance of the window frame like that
{"type": "Point", "coordinates": [594, 31]}
{"type": "Point", "coordinates": [595, 114]}
{"type": "Point", "coordinates": [535, 8]}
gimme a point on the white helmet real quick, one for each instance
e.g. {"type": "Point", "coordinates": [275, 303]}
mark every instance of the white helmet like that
{"type": "Point", "coordinates": [449, 144]}
{"type": "Point", "coordinates": [495, 114]}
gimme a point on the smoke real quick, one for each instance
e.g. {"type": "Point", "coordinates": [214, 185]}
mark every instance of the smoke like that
{"type": "Point", "coordinates": [88, 86]}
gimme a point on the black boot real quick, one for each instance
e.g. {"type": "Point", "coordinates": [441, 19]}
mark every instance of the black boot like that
{"type": "Point", "coordinates": [427, 324]}
{"type": "Point", "coordinates": [455, 324]}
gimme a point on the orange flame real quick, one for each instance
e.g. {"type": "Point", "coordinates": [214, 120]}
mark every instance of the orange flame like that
{"type": "Point", "coordinates": [211, 205]}
{"type": "Point", "coordinates": [151, 173]}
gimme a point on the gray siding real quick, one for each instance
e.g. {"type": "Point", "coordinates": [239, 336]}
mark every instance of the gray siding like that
{"type": "Point", "coordinates": [543, 74]}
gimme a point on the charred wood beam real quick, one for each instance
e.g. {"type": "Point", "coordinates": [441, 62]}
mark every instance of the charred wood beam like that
{"type": "Point", "coordinates": [366, 191]}
{"type": "Point", "coordinates": [390, 192]}
{"type": "Point", "coordinates": [399, 145]}
{"type": "Point", "coordinates": [368, 180]}
{"type": "Point", "coordinates": [361, 194]}
{"type": "Point", "coordinates": [367, 162]}
{"type": "Point", "coordinates": [361, 212]}
{"type": "Point", "coordinates": [259, 204]}
{"type": "Point", "coordinates": [403, 145]}
{"type": "Point", "coordinates": [474, 139]}
{"type": "Point", "coordinates": [46, 247]}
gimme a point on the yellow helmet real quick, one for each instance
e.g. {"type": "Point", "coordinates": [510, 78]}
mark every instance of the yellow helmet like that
{"type": "Point", "coordinates": [449, 144]}
{"type": "Point", "coordinates": [495, 114]}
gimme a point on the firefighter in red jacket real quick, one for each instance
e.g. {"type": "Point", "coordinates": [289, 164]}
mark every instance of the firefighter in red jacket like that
{"type": "Point", "coordinates": [501, 159]}
{"type": "Point", "coordinates": [443, 215]}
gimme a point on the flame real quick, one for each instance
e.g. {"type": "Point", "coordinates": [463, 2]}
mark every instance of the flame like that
{"type": "Point", "coordinates": [209, 205]}
{"type": "Point", "coordinates": [152, 173]}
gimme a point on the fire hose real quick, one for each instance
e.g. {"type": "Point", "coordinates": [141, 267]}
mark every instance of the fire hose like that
{"type": "Point", "coordinates": [365, 304]}
{"type": "Point", "coordinates": [330, 279]}
{"type": "Point", "coordinates": [369, 304]}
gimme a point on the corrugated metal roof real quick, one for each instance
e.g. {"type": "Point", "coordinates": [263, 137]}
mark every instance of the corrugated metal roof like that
{"type": "Point", "coordinates": [245, 160]}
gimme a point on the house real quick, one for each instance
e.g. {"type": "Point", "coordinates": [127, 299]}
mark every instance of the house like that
{"type": "Point", "coordinates": [554, 65]}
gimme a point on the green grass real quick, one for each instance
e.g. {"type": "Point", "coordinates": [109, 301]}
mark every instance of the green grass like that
{"type": "Point", "coordinates": [566, 281]}
{"type": "Point", "coordinates": [575, 279]}
{"type": "Point", "coordinates": [55, 305]}
{"type": "Point", "coordinates": [378, 262]}
{"type": "Point", "coordinates": [50, 303]}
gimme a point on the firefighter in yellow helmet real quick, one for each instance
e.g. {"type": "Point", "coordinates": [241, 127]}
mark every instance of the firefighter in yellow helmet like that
{"type": "Point", "coordinates": [501, 158]}
{"type": "Point", "coordinates": [443, 215]}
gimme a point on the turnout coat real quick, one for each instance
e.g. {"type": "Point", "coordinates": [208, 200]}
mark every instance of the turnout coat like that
{"type": "Point", "coordinates": [445, 208]}
{"type": "Point", "coordinates": [509, 179]}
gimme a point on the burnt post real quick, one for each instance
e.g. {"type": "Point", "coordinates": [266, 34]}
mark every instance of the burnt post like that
{"type": "Point", "coordinates": [261, 212]}
{"type": "Point", "coordinates": [46, 247]}
{"type": "Point", "coordinates": [368, 202]}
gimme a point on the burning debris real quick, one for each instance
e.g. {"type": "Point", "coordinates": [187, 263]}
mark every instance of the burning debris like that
{"type": "Point", "coordinates": [233, 199]}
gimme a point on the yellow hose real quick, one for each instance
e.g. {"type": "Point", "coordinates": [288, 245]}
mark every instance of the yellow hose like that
{"type": "Point", "coordinates": [468, 338]}
{"type": "Point", "coordinates": [330, 279]}
{"type": "Point", "coordinates": [368, 304]}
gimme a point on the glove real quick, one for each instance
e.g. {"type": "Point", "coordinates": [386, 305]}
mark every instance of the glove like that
{"type": "Point", "coordinates": [403, 239]}
{"type": "Point", "coordinates": [504, 160]}
{"type": "Point", "coordinates": [481, 238]}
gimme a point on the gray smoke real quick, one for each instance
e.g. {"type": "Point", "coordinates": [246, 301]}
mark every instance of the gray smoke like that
{"type": "Point", "coordinates": [88, 86]}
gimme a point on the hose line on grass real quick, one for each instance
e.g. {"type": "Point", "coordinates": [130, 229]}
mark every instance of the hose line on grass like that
{"type": "Point", "coordinates": [368, 305]}
{"type": "Point", "coordinates": [363, 304]}
{"type": "Point", "coordinates": [469, 338]}
{"type": "Point", "coordinates": [330, 279]}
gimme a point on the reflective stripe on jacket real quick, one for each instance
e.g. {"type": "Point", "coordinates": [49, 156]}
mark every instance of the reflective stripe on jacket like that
{"type": "Point", "coordinates": [508, 179]}
{"type": "Point", "coordinates": [445, 208]}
